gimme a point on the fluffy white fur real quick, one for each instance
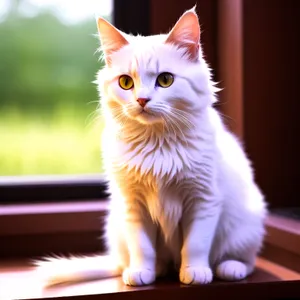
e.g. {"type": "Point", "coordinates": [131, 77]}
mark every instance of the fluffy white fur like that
{"type": "Point", "coordinates": [182, 188]}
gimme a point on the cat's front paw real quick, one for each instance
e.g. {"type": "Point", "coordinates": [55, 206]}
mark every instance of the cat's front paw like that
{"type": "Point", "coordinates": [196, 275]}
{"type": "Point", "coordinates": [137, 277]}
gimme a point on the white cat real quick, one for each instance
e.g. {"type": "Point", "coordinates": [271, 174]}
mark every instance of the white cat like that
{"type": "Point", "coordinates": [182, 188]}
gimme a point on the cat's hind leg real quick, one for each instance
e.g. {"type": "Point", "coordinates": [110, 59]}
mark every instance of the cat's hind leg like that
{"type": "Point", "coordinates": [238, 260]}
{"type": "Point", "coordinates": [240, 234]}
{"type": "Point", "coordinates": [233, 270]}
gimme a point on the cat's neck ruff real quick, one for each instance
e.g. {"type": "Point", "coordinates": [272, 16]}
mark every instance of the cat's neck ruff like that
{"type": "Point", "coordinates": [161, 150]}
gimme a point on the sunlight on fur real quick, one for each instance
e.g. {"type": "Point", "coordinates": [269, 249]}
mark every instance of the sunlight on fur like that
{"type": "Point", "coordinates": [182, 189]}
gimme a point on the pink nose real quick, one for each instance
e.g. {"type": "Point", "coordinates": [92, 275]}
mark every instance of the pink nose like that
{"type": "Point", "coordinates": [143, 101]}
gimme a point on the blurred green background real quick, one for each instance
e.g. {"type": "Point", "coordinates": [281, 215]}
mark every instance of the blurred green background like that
{"type": "Point", "coordinates": [49, 122]}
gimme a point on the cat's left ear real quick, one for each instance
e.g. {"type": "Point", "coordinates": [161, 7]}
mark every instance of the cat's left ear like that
{"type": "Point", "coordinates": [186, 34]}
{"type": "Point", "coordinates": [111, 38]}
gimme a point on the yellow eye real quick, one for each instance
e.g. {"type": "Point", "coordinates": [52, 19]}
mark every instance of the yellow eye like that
{"type": "Point", "coordinates": [125, 82]}
{"type": "Point", "coordinates": [165, 79]}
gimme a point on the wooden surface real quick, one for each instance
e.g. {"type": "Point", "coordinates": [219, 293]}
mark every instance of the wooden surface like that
{"type": "Point", "coordinates": [19, 281]}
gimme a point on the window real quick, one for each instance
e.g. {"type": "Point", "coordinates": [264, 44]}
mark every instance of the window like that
{"type": "Point", "coordinates": [244, 42]}
{"type": "Point", "coordinates": [49, 119]}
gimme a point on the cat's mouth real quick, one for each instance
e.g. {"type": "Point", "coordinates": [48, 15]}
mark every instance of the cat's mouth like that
{"type": "Point", "coordinates": [144, 115]}
{"type": "Point", "coordinates": [147, 117]}
{"type": "Point", "coordinates": [146, 112]}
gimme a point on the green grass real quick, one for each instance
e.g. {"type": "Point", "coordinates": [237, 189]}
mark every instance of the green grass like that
{"type": "Point", "coordinates": [65, 143]}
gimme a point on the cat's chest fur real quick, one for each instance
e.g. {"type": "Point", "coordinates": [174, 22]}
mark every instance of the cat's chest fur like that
{"type": "Point", "coordinates": [156, 157]}
{"type": "Point", "coordinates": [152, 173]}
{"type": "Point", "coordinates": [159, 169]}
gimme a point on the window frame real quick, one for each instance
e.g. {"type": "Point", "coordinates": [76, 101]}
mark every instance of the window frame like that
{"type": "Point", "coordinates": [55, 188]}
{"type": "Point", "coordinates": [38, 229]}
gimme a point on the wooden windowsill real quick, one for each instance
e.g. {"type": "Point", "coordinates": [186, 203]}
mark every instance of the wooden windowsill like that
{"type": "Point", "coordinates": [19, 281]}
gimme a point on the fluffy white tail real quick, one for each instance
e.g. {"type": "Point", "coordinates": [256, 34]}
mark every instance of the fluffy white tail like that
{"type": "Point", "coordinates": [59, 270]}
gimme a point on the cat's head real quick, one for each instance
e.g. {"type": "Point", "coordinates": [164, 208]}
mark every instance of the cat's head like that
{"type": "Point", "coordinates": [156, 78]}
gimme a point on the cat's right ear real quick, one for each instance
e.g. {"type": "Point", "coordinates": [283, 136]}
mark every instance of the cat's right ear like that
{"type": "Point", "coordinates": [111, 39]}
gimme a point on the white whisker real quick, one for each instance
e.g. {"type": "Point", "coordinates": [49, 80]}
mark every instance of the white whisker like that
{"type": "Point", "coordinates": [179, 128]}
{"type": "Point", "coordinates": [92, 117]}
